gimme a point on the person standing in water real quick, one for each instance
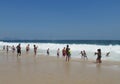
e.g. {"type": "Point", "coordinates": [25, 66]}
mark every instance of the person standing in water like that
{"type": "Point", "coordinates": [48, 52]}
{"type": "Point", "coordinates": [107, 54]}
{"type": "Point", "coordinates": [84, 55]}
{"type": "Point", "coordinates": [81, 52]}
{"type": "Point", "coordinates": [7, 49]}
{"type": "Point", "coordinates": [58, 52]}
{"type": "Point", "coordinates": [68, 53]}
{"type": "Point", "coordinates": [63, 52]}
{"type": "Point", "coordinates": [13, 49]}
{"type": "Point", "coordinates": [18, 50]}
{"type": "Point", "coordinates": [27, 48]}
{"type": "Point", "coordinates": [98, 53]}
{"type": "Point", "coordinates": [3, 47]}
{"type": "Point", "coordinates": [35, 49]}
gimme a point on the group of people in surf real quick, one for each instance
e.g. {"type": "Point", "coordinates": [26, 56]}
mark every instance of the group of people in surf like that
{"type": "Point", "coordinates": [66, 52]}
{"type": "Point", "coordinates": [18, 49]}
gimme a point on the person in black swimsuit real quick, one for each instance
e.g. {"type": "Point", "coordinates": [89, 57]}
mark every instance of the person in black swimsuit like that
{"type": "Point", "coordinates": [18, 50]}
{"type": "Point", "coordinates": [68, 53]}
{"type": "Point", "coordinates": [35, 49]}
{"type": "Point", "coordinates": [98, 53]}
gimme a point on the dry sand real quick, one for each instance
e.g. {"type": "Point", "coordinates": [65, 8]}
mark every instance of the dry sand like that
{"type": "Point", "coordinates": [30, 69]}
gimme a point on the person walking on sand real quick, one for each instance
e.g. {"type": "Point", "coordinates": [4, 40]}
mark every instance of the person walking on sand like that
{"type": "Point", "coordinates": [98, 53]}
{"type": "Point", "coordinates": [18, 50]}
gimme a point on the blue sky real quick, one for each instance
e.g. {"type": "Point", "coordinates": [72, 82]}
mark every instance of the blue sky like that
{"type": "Point", "coordinates": [60, 19]}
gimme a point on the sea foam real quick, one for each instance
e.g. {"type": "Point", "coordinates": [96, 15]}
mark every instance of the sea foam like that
{"type": "Point", "coordinates": [75, 49]}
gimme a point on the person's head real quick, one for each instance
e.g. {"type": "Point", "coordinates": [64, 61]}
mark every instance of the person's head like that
{"type": "Point", "coordinates": [34, 45]}
{"type": "Point", "coordinates": [99, 50]}
{"type": "Point", "coordinates": [83, 51]}
{"type": "Point", "coordinates": [67, 45]}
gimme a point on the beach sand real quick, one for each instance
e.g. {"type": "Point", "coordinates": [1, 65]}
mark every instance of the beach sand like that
{"type": "Point", "coordinates": [30, 69]}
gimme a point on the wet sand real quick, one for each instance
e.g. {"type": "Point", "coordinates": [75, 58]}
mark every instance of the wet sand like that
{"type": "Point", "coordinates": [30, 69]}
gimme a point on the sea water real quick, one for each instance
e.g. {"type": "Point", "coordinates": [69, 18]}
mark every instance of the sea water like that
{"type": "Point", "coordinates": [76, 46]}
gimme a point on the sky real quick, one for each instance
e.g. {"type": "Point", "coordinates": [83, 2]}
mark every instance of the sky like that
{"type": "Point", "coordinates": [60, 19]}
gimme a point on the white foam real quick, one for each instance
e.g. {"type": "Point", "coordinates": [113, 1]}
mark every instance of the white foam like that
{"type": "Point", "coordinates": [75, 49]}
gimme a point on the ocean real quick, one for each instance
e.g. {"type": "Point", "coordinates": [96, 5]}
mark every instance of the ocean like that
{"type": "Point", "coordinates": [76, 46]}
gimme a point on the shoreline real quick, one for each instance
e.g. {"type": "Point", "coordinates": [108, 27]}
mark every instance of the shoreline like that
{"type": "Point", "coordinates": [30, 69]}
{"type": "Point", "coordinates": [73, 59]}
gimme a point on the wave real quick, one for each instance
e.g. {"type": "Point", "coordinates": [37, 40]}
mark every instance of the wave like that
{"type": "Point", "coordinates": [75, 49]}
